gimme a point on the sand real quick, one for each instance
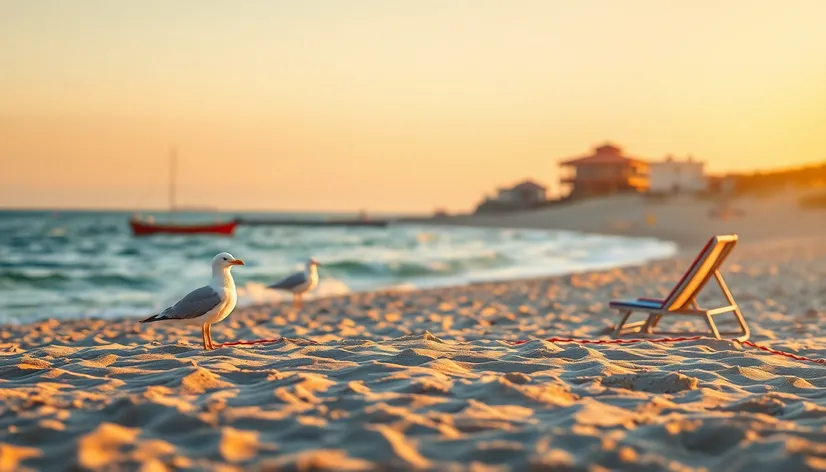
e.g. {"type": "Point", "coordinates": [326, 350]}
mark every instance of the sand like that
{"type": "Point", "coordinates": [426, 380]}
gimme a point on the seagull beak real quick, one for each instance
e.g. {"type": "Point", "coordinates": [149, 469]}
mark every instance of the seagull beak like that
{"type": "Point", "coordinates": [318, 263]}
{"type": "Point", "coordinates": [236, 262]}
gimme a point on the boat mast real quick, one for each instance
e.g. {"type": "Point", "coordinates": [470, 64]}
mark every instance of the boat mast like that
{"type": "Point", "coordinates": [173, 163]}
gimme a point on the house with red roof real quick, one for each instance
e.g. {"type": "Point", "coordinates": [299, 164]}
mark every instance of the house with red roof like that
{"type": "Point", "coordinates": [604, 172]}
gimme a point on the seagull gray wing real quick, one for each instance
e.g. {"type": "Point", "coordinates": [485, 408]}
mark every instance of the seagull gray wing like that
{"type": "Point", "coordinates": [196, 303]}
{"type": "Point", "coordinates": [291, 281]}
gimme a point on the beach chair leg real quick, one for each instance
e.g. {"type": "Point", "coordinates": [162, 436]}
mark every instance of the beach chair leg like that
{"type": "Point", "coordinates": [712, 326]}
{"type": "Point", "coordinates": [625, 315]}
{"type": "Point", "coordinates": [650, 323]}
{"type": "Point", "coordinates": [743, 326]}
{"type": "Point", "coordinates": [737, 314]}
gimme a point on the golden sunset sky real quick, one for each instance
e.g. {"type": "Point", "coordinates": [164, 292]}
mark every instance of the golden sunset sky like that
{"type": "Point", "coordinates": [390, 105]}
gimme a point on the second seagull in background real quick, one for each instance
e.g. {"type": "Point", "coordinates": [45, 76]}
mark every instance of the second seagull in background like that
{"type": "Point", "coordinates": [299, 282]}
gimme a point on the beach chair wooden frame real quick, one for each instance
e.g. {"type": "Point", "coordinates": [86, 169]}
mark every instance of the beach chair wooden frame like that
{"type": "Point", "coordinates": [682, 299]}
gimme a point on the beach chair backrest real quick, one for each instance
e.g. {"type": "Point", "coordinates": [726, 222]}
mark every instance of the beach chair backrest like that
{"type": "Point", "coordinates": [711, 257]}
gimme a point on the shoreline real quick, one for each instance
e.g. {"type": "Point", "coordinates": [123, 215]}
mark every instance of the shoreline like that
{"type": "Point", "coordinates": [511, 255]}
{"type": "Point", "coordinates": [685, 250]}
{"type": "Point", "coordinates": [286, 299]}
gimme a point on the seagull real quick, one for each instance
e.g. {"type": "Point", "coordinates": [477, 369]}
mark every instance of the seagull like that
{"type": "Point", "coordinates": [300, 282]}
{"type": "Point", "coordinates": [206, 305]}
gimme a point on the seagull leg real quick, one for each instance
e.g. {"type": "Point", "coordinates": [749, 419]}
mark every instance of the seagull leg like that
{"type": "Point", "coordinates": [209, 336]}
{"type": "Point", "coordinates": [203, 336]}
{"type": "Point", "coordinates": [296, 300]}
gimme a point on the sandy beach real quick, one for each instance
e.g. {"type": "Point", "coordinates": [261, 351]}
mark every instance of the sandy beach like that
{"type": "Point", "coordinates": [428, 380]}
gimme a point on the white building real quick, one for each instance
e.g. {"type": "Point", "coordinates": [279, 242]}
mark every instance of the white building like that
{"type": "Point", "coordinates": [673, 176]}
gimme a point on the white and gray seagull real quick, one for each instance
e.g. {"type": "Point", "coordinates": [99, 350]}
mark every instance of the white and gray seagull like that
{"type": "Point", "coordinates": [206, 305]}
{"type": "Point", "coordinates": [300, 282]}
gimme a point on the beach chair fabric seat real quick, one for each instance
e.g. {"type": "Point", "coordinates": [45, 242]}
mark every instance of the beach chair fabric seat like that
{"type": "Point", "coordinates": [681, 301]}
{"type": "Point", "coordinates": [640, 304]}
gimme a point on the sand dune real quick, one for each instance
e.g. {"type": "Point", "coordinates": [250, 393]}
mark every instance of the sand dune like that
{"type": "Point", "coordinates": [426, 380]}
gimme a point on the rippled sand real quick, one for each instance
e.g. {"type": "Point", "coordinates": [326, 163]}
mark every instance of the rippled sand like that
{"type": "Point", "coordinates": [427, 380]}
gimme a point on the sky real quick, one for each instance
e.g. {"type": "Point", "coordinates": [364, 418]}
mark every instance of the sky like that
{"type": "Point", "coordinates": [390, 105]}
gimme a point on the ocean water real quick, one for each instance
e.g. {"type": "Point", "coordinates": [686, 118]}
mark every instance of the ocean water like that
{"type": "Point", "coordinates": [88, 264]}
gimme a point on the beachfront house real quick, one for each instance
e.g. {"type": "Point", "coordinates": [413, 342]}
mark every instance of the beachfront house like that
{"type": "Point", "coordinates": [677, 176]}
{"type": "Point", "coordinates": [521, 196]}
{"type": "Point", "coordinates": [604, 172]}
{"type": "Point", "coordinates": [523, 192]}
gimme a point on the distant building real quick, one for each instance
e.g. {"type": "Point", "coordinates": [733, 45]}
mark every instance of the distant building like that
{"type": "Point", "coordinates": [604, 172]}
{"type": "Point", "coordinates": [524, 195]}
{"type": "Point", "coordinates": [675, 176]}
{"type": "Point", "coordinates": [523, 192]}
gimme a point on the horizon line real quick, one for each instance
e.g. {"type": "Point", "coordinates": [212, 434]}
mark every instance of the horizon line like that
{"type": "Point", "coordinates": [215, 210]}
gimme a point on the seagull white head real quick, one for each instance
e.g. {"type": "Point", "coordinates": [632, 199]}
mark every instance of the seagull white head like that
{"type": "Point", "coordinates": [312, 262]}
{"type": "Point", "coordinates": [225, 261]}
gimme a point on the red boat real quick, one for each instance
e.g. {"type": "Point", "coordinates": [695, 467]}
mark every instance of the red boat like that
{"type": "Point", "coordinates": [145, 228]}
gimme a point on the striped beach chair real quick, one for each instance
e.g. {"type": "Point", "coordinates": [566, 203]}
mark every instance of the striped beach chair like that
{"type": "Point", "coordinates": [682, 299]}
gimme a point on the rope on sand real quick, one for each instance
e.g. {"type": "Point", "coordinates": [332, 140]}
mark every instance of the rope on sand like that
{"type": "Point", "coordinates": [267, 341]}
{"type": "Point", "coordinates": [576, 341]}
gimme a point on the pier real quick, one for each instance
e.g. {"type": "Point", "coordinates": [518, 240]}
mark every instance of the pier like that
{"type": "Point", "coordinates": [302, 222]}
